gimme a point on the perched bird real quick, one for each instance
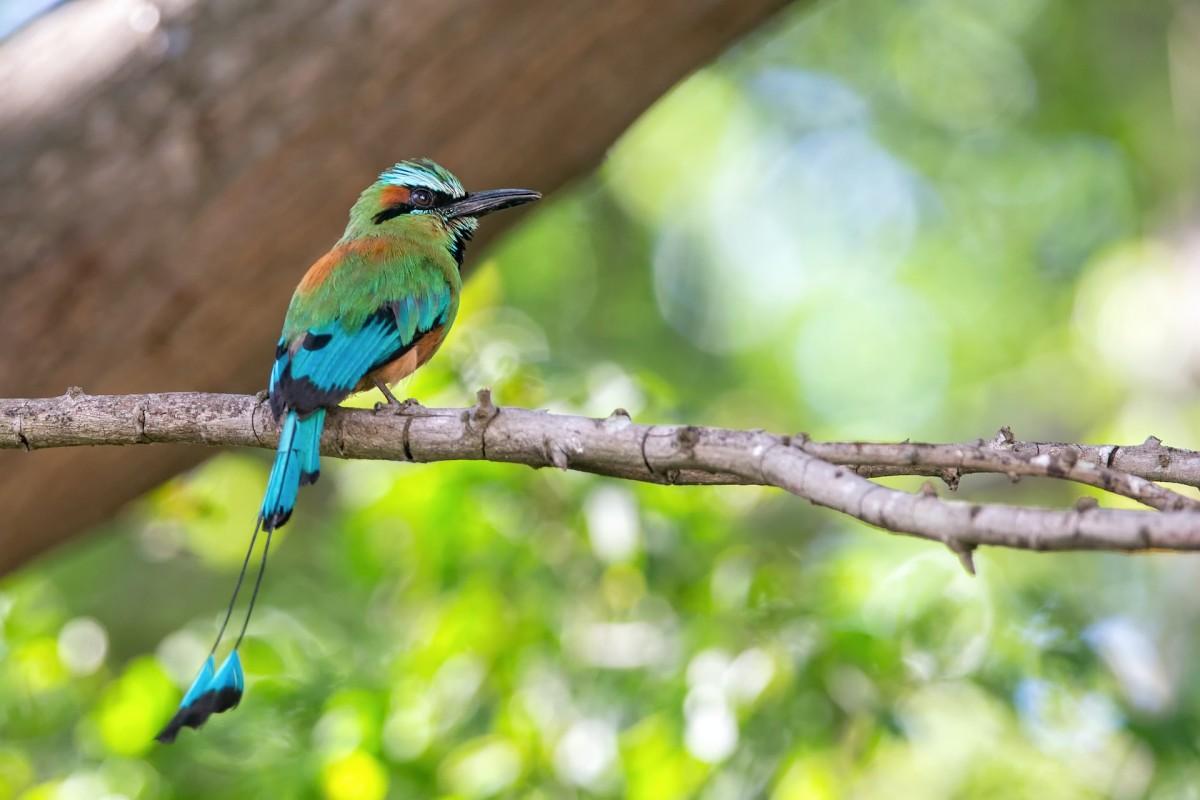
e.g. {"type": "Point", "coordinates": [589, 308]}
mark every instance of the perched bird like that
{"type": "Point", "coordinates": [368, 313]}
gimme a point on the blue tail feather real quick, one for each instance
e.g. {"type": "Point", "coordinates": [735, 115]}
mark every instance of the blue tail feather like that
{"type": "Point", "coordinates": [228, 684]}
{"type": "Point", "coordinates": [199, 684]}
{"type": "Point", "coordinates": [195, 708]}
{"type": "Point", "coordinates": [309, 446]}
{"type": "Point", "coordinates": [212, 692]}
{"type": "Point", "coordinates": [297, 462]}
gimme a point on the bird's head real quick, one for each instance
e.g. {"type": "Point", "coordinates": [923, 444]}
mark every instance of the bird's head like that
{"type": "Point", "coordinates": [420, 198]}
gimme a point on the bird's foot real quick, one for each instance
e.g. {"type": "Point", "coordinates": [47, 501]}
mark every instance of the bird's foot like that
{"type": "Point", "coordinates": [262, 394]}
{"type": "Point", "coordinates": [409, 407]}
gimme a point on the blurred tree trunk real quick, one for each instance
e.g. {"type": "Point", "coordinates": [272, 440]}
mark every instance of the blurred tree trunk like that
{"type": "Point", "coordinates": [169, 169]}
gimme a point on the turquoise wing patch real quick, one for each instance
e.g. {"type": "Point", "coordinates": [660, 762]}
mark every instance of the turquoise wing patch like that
{"type": "Point", "coordinates": [329, 361]}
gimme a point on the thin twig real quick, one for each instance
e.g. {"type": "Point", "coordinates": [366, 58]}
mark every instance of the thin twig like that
{"type": "Point", "coordinates": [1120, 470]}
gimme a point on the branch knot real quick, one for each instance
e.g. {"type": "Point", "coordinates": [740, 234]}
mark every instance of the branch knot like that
{"type": "Point", "coordinates": [480, 416]}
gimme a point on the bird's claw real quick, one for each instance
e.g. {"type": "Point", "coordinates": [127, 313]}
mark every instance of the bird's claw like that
{"type": "Point", "coordinates": [401, 409]}
{"type": "Point", "coordinates": [409, 406]}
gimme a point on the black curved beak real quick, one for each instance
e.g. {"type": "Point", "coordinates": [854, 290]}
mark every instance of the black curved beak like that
{"type": "Point", "coordinates": [476, 204]}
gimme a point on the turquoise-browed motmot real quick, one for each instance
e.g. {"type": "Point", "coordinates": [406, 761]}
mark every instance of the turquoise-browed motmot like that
{"type": "Point", "coordinates": [368, 313]}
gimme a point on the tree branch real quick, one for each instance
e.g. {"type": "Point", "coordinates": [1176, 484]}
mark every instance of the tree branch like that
{"type": "Point", "coordinates": [828, 474]}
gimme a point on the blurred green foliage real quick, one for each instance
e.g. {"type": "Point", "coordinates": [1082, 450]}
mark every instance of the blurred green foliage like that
{"type": "Point", "coordinates": [874, 219]}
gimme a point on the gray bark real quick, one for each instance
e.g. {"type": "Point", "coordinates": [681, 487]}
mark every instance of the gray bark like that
{"type": "Point", "coordinates": [673, 454]}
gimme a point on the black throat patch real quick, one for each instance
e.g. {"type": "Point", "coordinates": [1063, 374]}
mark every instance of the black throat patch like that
{"type": "Point", "coordinates": [458, 244]}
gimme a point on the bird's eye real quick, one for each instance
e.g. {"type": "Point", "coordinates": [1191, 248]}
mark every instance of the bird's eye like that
{"type": "Point", "coordinates": [422, 198]}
